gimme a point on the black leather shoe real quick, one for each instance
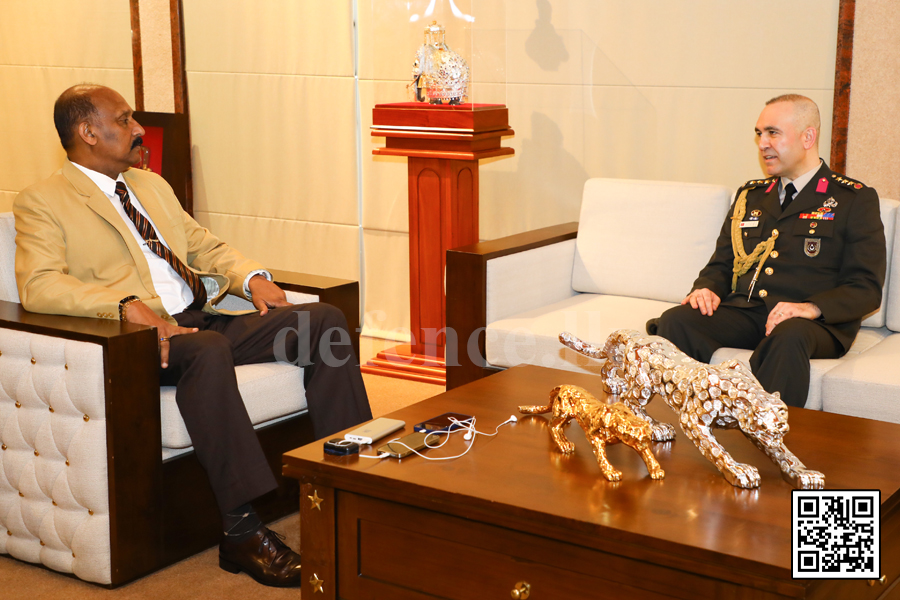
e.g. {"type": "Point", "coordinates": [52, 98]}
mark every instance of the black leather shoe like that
{"type": "Point", "coordinates": [264, 557]}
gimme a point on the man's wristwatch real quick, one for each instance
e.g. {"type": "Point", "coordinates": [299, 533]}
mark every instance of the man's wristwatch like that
{"type": "Point", "coordinates": [123, 306]}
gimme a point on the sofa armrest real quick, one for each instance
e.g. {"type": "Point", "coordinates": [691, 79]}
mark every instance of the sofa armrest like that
{"type": "Point", "coordinates": [133, 431]}
{"type": "Point", "coordinates": [342, 293]}
{"type": "Point", "coordinates": [467, 296]}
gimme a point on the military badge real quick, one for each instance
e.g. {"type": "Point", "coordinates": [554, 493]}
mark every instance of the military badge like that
{"type": "Point", "coordinates": [830, 203]}
{"type": "Point", "coordinates": [756, 213]}
{"type": "Point", "coordinates": [812, 246]}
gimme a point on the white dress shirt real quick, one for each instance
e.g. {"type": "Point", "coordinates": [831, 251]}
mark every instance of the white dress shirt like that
{"type": "Point", "coordinates": [799, 183]}
{"type": "Point", "coordinates": [174, 292]}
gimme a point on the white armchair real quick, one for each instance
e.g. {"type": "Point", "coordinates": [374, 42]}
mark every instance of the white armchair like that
{"type": "Point", "coordinates": [97, 473]}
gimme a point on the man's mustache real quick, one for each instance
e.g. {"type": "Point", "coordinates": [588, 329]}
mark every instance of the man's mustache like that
{"type": "Point", "coordinates": [137, 142]}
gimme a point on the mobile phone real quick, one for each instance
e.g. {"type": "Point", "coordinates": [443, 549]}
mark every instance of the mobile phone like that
{"type": "Point", "coordinates": [444, 422]}
{"type": "Point", "coordinates": [413, 441]}
{"type": "Point", "coordinates": [340, 447]}
{"type": "Point", "coordinates": [374, 430]}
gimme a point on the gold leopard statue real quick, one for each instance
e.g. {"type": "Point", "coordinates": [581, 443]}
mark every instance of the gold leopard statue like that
{"type": "Point", "coordinates": [704, 397]}
{"type": "Point", "coordinates": [603, 424]}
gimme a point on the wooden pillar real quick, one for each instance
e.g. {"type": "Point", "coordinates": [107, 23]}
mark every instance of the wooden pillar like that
{"type": "Point", "coordinates": [443, 145]}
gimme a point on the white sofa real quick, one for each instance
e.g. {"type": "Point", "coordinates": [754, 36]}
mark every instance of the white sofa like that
{"type": "Point", "coordinates": [635, 252]}
{"type": "Point", "coordinates": [97, 473]}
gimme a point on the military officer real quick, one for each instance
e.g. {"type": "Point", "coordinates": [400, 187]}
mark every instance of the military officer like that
{"type": "Point", "coordinates": [799, 262]}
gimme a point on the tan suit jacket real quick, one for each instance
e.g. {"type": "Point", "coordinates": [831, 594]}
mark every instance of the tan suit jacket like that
{"type": "Point", "coordinates": [75, 255]}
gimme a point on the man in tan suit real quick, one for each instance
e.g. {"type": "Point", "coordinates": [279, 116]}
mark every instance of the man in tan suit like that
{"type": "Point", "coordinates": [98, 239]}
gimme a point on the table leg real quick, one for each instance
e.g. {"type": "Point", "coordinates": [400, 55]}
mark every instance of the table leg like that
{"type": "Point", "coordinates": [317, 544]}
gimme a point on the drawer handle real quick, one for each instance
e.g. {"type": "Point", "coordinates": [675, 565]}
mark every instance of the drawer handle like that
{"type": "Point", "coordinates": [521, 591]}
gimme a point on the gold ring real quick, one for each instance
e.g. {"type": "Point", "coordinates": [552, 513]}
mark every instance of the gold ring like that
{"type": "Point", "coordinates": [164, 339]}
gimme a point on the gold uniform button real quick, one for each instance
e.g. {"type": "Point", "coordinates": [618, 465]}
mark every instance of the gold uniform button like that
{"type": "Point", "coordinates": [813, 225]}
{"type": "Point", "coordinates": [812, 231]}
{"type": "Point", "coordinates": [763, 293]}
{"type": "Point", "coordinates": [775, 232]}
{"type": "Point", "coordinates": [769, 270]}
{"type": "Point", "coordinates": [774, 254]}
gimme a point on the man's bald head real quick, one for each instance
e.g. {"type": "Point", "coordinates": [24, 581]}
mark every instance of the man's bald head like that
{"type": "Point", "coordinates": [806, 113]}
{"type": "Point", "coordinates": [74, 106]}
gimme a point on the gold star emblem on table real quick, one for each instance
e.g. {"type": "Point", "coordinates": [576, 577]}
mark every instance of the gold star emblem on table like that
{"type": "Point", "coordinates": [316, 501]}
{"type": "Point", "coordinates": [316, 583]}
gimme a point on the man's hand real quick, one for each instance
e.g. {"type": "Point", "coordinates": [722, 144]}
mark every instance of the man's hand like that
{"type": "Point", "coordinates": [266, 294]}
{"type": "Point", "coordinates": [703, 299]}
{"type": "Point", "coordinates": [138, 312]}
{"type": "Point", "coordinates": [788, 310]}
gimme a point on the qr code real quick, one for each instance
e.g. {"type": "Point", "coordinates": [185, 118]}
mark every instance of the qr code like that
{"type": "Point", "coordinates": [836, 534]}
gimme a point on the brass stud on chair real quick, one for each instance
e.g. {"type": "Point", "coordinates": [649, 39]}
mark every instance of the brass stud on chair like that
{"type": "Point", "coordinates": [67, 462]}
{"type": "Point", "coordinates": [3, 447]}
{"type": "Point", "coordinates": [21, 495]}
{"type": "Point", "coordinates": [51, 409]}
{"type": "Point", "coordinates": [90, 512]}
{"type": "Point", "coordinates": [36, 453]}
{"type": "Point", "coordinates": [86, 418]}
{"type": "Point", "coordinates": [67, 366]}
{"type": "Point", "coordinates": [33, 360]}
{"type": "Point", "coordinates": [42, 542]}
{"type": "Point", "coordinates": [18, 404]}
{"type": "Point", "coordinates": [73, 555]}
{"type": "Point", "coordinates": [54, 503]}
{"type": "Point", "coordinates": [8, 532]}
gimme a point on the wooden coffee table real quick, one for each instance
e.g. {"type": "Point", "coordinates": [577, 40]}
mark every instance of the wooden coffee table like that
{"type": "Point", "coordinates": [514, 510]}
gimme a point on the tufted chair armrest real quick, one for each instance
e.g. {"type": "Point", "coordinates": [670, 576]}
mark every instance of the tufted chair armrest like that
{"type": "Point", "coordinates": [125, 374]}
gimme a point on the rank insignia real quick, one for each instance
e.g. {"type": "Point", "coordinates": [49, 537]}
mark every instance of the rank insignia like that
{"type": "Point", "coordinates": [830, 203]}
{"type": "Point", "coordinates": [858, 186]}
{"type": "Point", "coordinates": [812, 246]}
{"type": "Point", "coordinates": [756, 213]}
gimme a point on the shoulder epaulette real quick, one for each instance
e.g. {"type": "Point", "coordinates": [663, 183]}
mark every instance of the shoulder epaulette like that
{"type": "Point", "coordinates": [755, 183]}
{"type": "Point", "coordinates": [847, 182]}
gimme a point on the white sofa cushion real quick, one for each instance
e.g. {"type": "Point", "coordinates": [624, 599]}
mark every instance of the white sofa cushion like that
{"type": "Point", "coordinates": [8, 290]}
{"type": "Point", "coordinates": [646, 239]}
{"type": "Point", "coordinates": [532, 337]}
{"type": "Point", "coordinates": [889, 219]}
{"type": "Point", "coordinates": [891, 306]}
{"type": "Point", "coordinates": [867, 338]}
{"type": "Point", "coordinates": [866, 385]}
{"type": "Point", "coordinates": [269, 391]}
{"type": "Point", "coordinates": [526, 280]}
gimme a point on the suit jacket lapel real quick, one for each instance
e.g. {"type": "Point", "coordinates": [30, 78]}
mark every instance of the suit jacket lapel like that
{"type": "Point", "coordinates": [98, 202]}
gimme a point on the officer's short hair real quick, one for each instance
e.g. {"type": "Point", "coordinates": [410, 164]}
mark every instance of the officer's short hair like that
{"type": "Point", "coordinates": [71, 108]}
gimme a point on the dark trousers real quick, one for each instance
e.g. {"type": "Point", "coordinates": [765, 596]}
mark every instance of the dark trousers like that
{"type": "Point", "coordinates": [201, 365]}
{"type": "Point", "coordinates": [780, 361]}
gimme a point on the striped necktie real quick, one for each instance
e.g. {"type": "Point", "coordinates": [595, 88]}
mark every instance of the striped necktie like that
{"type": "Point", "coordinates": [149, 234]}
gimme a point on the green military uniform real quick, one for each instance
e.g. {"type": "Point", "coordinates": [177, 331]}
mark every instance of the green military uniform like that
{"type": "Point", "coordinates": [829, 250]}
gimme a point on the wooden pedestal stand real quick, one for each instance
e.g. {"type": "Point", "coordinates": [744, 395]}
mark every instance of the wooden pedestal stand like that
{"type": "Point", "coordinates": [443, 145]}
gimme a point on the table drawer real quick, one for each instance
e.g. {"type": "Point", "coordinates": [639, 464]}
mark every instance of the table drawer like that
{"type": "Point", "coordinates": [395, 551]}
